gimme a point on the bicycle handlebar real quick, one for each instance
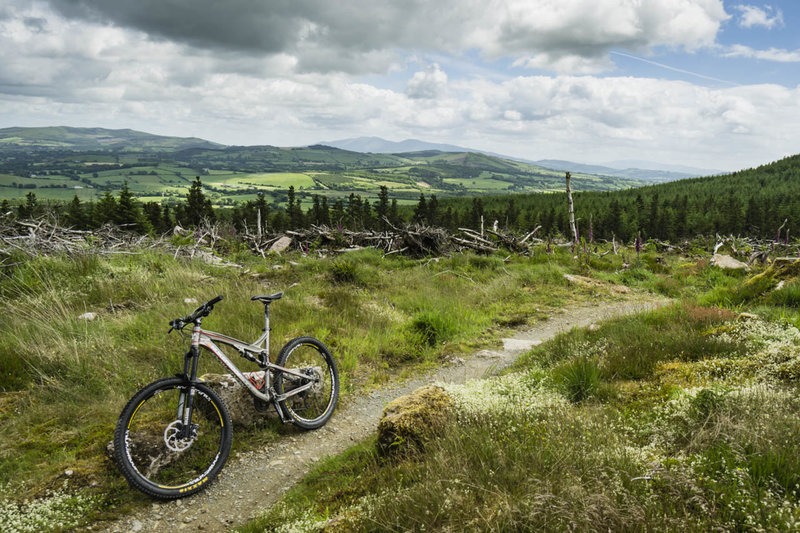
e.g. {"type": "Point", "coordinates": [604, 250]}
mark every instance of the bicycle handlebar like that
{"type": "Point", "coordinates": [202, 311]}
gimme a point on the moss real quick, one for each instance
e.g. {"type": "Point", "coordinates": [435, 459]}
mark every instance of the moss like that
{"type": "Point", "coordinates": [410, 421]}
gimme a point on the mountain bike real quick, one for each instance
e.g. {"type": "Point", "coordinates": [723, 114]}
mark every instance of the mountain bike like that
{"type": "Point", "coordinates": [174, 436]}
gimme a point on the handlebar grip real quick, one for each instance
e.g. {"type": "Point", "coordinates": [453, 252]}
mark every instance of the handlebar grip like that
{"type": "Point", "coordinates": [215, 300]}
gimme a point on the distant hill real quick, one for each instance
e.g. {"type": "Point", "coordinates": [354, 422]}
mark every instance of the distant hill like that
{"type": "Point", "coordinates": [82, 139]}
{"type": "Point", "coordinates": [651, 175]}
{"type": "Point", "coordinates": [641, 170]}
{"type": "Point", "coordinates": [376, 145]}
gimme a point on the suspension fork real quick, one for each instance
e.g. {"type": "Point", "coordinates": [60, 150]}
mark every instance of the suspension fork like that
{"type": "Point", "coordinates": [186, 400]}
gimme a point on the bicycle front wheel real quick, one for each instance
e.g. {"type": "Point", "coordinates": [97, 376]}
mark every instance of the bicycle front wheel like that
{"type": "Point", "coordinates": [157, 453]}
{"type": "Point", "coordinates": [313, 406]}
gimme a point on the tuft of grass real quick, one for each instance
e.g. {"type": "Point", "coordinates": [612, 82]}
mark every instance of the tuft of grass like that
{"type": "Point", "coordinates": [433, 327]}
{"type": "Point", "coordinates": [578, 378]}
{"type": "Point", "coordinates": [343, 271]}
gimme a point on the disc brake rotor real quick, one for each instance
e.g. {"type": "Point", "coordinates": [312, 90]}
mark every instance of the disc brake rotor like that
{"type": "Point", "coordinates": [174, 440]}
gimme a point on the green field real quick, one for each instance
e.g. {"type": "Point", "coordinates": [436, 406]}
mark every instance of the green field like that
{"type": "Point", "coordinates": [236, 174]}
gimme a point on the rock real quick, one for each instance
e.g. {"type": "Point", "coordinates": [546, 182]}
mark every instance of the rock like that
{"type": "Point", "coordinates": [593, 327]}
{"type": "Point", "coordinates": [190, 301]}
{"type": "Point", "coordinates": [236, 398]}
{"type": "Point", "coordinates": [240, 402]}
{"type": "Point", "coordinates": [489, 354]}
{"type": "Point", "coordinates": [136, 525]}
{"type": "Point", "coordinates": [87, 316]}
{"type": "Point", "coordinates": [727, 262]}
{"type": "Point", "coordinates": [281, 244]}
{"type": "Point", "coordinates": [410, 421]}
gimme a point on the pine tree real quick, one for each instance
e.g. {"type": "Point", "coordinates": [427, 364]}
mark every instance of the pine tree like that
{"type": "Point", "coordinates": [382, 208]}
{"type": "Point", "coordinates": [421, 210]}
{"type": "Point", "coordinates": [325, 213]}
{"type": "Point", "coordinates": [432, 214]}
{"type": "Point", "coordinates": [129, 212]}
{"type": "Point", "coordinates": [198, 207]}
{"type": "Point", "coordinates": [167, 222]}
{"type": "Point", "coordinates": [76, 218]}
{"type": "Point", "coordinates": [105, 210]}
{"type": "Point", "coordinates": [394, 213]}
{"type": "Point", "coordinates": [152, 211]}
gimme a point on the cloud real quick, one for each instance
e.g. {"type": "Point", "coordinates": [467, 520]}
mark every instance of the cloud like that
{"type": "Point", "coordinates": [428, 83]}
{"type": "Point", "coordinates": [97, 67]}
{"type": "Point", "coordinates": [365, 35]}
{"type": "Point", "coordinates": [755, 16]}
{"type": "Point", "coordinates": [772, 54]}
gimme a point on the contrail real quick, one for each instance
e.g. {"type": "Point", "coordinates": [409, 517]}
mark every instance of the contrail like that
{"type": "Point", "coordinates": [662, 65]}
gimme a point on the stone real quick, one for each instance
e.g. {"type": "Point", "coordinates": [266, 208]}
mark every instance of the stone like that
{"type": "Point", "coordinates": [87, 316]}
{"type": "Point", "coordinates": [281, 244]}
{"type": "Point", "coordinates": [727, 262]}
{"type": "Point", "coordinates": [236, 398]}
{"type": "Point", "coordinates": [593, 327]}
{"type": "Point", "coordinates": [410, 421]}
{"type": "Point", "coordinates": [520, 345]}
{"type": "Point", "coordinates": [190, 301]}
{"type": "Point", "coordinates": [240, 402]}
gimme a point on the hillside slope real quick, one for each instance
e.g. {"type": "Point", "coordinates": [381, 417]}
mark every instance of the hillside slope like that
{"type": "Point", "coordinates": [749, 202]}
{"type": "Point", "coordinates": [67, 138]}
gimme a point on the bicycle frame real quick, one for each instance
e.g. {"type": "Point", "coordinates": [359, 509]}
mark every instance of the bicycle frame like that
{"type": "Point", "coordinates": [205, 338]}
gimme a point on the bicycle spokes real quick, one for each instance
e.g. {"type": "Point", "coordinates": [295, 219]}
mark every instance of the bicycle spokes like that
{"type": "Point", "coordinates": [164, 450]}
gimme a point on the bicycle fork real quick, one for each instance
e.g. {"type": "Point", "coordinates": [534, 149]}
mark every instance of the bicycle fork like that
{"type": "Point", "coordinates": [186, 398]}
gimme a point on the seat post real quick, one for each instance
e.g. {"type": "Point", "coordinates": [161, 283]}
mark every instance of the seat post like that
{"type": "Point", "coordinates": [266, 327]}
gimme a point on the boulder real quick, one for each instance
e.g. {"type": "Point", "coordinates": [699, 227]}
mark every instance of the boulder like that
{"type": "Point", "coordinates": [281, 244]}
{"type": "Point", "coordinates": [237, 398]}
{"type": "Point", "coordinates": [727, 262]}
{"type": "Point", "coordinates": [87, 316]}
{"type": "Point", "coordinates": [410, 421]}
{"type": "Point", "coordinates": [243, 407]}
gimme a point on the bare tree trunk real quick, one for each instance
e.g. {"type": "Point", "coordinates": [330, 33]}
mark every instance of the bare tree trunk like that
{"type": "Point", "coordinates": [571, 212]}
{"type": "Point", "coordinates": [258, 221]}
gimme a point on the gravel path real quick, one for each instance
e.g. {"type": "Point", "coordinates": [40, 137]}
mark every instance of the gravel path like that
{"type": "Point", "coordinates": [252, 481]}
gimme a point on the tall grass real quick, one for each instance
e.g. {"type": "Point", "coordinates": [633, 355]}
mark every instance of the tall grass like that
{"type": "Point", "coordinates": [65, 379]}
{"type": "Point", "coordinates": [653, 456]}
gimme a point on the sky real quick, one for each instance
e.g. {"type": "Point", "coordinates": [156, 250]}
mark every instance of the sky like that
{"type": "Point", "coordinates": [706, 83]}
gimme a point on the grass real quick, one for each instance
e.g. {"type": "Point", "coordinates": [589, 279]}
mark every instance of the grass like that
{"type": "Point", "coordinates": [678, 419]}
{"type": "Point", "coordinates": [65, 379]}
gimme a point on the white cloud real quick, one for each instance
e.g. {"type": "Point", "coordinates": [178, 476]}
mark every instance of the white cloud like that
{"type": "Point", "coordinates": [755, 16]}
{"type": "Point", "coordinates": [62, 70]}
{"type": "Point", "coordinates": [428, 83]}
{"type": "Point", "coordinates": [364, 35]}
{"type": "Point", "coordinates": [771, 54]}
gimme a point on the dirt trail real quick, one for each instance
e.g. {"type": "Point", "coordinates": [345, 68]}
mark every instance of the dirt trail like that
{"type": "Point", "coordinates": [251, 482]}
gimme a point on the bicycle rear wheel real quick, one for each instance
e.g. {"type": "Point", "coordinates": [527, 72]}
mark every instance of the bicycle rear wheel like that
{"type": "Point", "coordinates": [311, 408]}
{"type": "Point", "coordinates": [157, 454]}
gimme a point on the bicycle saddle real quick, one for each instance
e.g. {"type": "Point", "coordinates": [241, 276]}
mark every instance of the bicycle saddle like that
{"type": "Point", "coordinates": [267, 298]}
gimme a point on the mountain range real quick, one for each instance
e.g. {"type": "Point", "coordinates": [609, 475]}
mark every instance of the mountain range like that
{"type": "Point", "coordinates": [636, 169]}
